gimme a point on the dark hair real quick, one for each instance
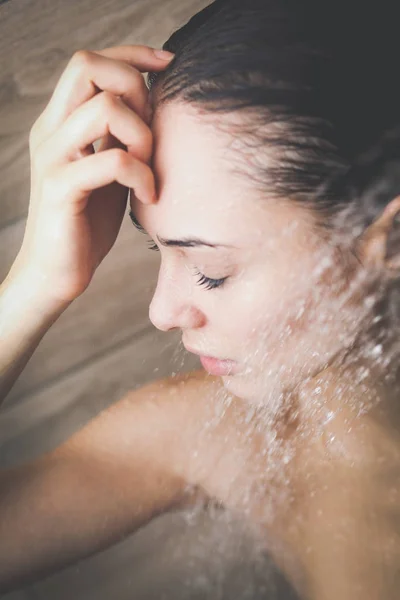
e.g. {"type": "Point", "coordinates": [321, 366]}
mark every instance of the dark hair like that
{"type": "Point", "coordinates": [319, 82]}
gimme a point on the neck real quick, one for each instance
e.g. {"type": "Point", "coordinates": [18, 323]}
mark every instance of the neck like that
{"type": "Point", "coordinates": [358, 389]}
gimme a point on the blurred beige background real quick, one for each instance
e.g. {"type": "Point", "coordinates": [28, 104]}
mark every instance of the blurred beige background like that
{"type": "Point", "coordinates": [104, 344]}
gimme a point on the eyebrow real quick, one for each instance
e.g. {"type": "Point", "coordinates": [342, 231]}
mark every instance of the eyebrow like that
{"type": "Point", "coordinates": [183, 243]}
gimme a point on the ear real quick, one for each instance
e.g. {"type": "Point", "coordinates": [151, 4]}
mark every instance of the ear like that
{"type": "Point", "coordinates": [379, 245]}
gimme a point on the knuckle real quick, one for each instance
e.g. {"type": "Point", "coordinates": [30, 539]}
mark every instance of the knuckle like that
{"type": "Point", "coordinates": [120, 158]}
{"type": "Point", "coordinates": [81, 59]}
{"type": "Point", "coordinates": [107, 101]}
{"type": "Point", "coordinates": [138, 79]}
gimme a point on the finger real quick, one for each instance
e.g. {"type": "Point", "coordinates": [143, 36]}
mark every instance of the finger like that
{"type": "Point", "coordinates": [74, 181]}
{"type": "Point", "coordinates": [81, 153]}
{"type": "Point", "coordinates": [109, 141]}
{"type": "Point", "coordinates": [117, 70]}
{"type": "Point", "coordinates": [131, 55]}
{"type": "Point", "coordinates": [96, 118]}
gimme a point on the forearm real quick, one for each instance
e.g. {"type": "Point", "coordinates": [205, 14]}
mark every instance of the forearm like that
{"type": "Point", "coordinates": [56, 512]}
{"type": "Point", "coordinates": [26, 314]}
{"type": "Point", "coordinates": [49, 518]}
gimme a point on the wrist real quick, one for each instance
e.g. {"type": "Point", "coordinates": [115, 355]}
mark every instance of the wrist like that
{"type": "Point", "coordinates": [32, 291]}
{"type": "Point", "coordinates": [26, 314]}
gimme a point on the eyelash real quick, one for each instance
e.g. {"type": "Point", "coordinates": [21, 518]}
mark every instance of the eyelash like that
{"type": "Point", "coordinates": [153, 246]}
{"type": "Point", "coordinates": [210, 284]}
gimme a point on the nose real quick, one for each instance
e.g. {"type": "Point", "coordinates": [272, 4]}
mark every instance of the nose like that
{"type": "Point", "coordinates": [171, 308]}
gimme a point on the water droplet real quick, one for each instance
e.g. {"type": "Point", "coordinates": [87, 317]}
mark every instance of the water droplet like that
{"type": "Point", "coordinates": [377, 350]}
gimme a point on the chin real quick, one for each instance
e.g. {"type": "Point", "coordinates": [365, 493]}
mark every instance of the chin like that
{"type": "Point", "coordinates": [241, 387]}
{"type": "Point", "coordinates": [257, 391]}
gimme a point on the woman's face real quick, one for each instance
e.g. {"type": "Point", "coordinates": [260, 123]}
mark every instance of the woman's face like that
{"type": "Point", "coordinates": [244, 277]}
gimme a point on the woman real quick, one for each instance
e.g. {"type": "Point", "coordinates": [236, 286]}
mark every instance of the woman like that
{"type": "Point", "coordinates": [267, 177]}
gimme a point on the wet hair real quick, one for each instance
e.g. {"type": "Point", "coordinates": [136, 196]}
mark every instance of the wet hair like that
{"type": "Point", "coordinates": [318, 82]}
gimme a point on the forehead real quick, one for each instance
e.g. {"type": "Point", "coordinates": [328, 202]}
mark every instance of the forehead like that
{"type": "Point", "coordinates": [189, 152]}
{"type": "Point", "coordinates": [194, 164]}
{"type": "Point", "coordinates": [190, 167]}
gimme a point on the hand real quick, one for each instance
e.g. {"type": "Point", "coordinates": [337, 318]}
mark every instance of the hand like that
{"type": "Point", "coordinates": [79, 196]}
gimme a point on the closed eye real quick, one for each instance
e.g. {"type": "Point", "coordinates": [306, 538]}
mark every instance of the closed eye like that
{"type": "Point", "coordinates": [205, 281]}
{"type": "Point", "coordinates": [210, 284]}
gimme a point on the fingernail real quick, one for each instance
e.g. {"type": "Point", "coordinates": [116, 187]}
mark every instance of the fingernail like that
{"type": "Point", "coordinates": [164, 54]}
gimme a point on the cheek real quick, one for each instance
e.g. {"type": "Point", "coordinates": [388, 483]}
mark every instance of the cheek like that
{"type": "Point", "coordinates": [274, 302]}
{"type": "Point", "coordinates": [258, 308]}
{"type": "Point", "coordinates": [276, 307]}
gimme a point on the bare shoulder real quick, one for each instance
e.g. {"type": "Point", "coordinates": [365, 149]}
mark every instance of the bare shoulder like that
{"type": "Point", "coordinates": [180, 403]}
{"type": "Point", "coordinates": [169, 431]}
{"type": "Point", "coordinates": [177, 393]}
{"type": "Point", "coordinates": [151, 416]}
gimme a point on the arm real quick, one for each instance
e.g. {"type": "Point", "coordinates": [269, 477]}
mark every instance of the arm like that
{"type": "Point", "coordinates": [110, 478]}
{"type": "Point", "coordinates": [26, 314]}
{"type": "Point", "coordinates": [78, 195]}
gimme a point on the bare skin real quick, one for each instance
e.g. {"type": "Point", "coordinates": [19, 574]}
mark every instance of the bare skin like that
{"type": "Point", "coordinates": [128, 465]}
{"type": "Point", "coordinates": [216, 456]}
{"type": "Point", "coordinates": [134, 475]}
{"type": "Point", "coordinates": [307, 483]}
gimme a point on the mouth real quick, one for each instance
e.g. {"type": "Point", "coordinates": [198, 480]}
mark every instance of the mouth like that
{"type": "Point", "coordinates": [216, 366]}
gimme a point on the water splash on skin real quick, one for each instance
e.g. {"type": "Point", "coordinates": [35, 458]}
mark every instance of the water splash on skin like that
{"type": "Point", "coordinates": [369, 349]}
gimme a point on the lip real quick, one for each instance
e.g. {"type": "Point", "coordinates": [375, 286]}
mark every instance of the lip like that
{"type": "Point", "coordinates": [215, 366]}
